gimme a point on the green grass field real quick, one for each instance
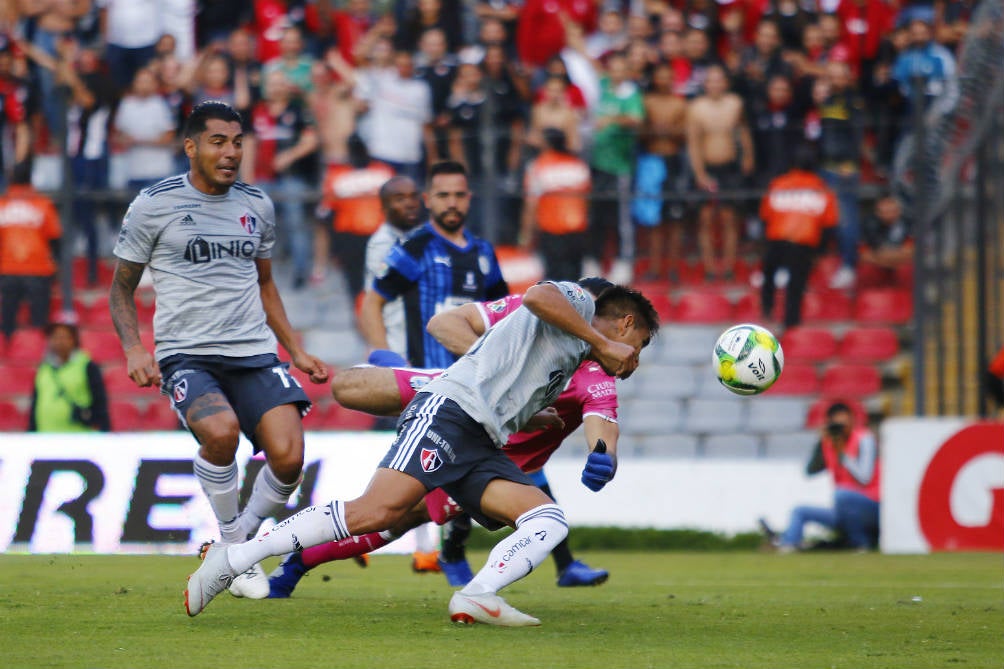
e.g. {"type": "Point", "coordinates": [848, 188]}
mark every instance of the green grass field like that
{"type": "Point", "coordinates": [659, 609]}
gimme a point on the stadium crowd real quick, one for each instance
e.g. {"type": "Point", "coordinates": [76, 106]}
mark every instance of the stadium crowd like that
{"type": "Point", "coordinates": [584, 124]}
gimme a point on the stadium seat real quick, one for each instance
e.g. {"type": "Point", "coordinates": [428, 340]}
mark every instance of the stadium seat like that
{"type": "Point", "coordinates": [649, 417]}
{"type": "Point", "coordinates": [18, 379]}
{"type": "Point", "coordinates": [884, 305]}
{"type": "Point", "coordinates": [715, 416]}
{"type": "Point", "coordinates": [12, 417]}
{"type": "Point", "coordinates": [127, 416]}
{"type": "Point", "coordinates": [791, 445]}
{"type": "Point", "coordinates": [875, 344]}
{"type": "Point", "coordinates": [103, 346]}
{"type": "Point", "coordinates": [777, 414]}
{"type": "Point", "coordinates": [796, 379]}
{"type": "Point", "coordinates": [702, 307]}
{"type": "Point", "coordinates": [674, 445]}
{"type": "Point", "coordinates": [684, 344]}
{"type": "Point", "coordinates": [817, 412]}
{"type": "Point", "coordinates": [823, 271]}
{"type": "Point", "coordinates": [738, 445]}
{"type": "Point", "coordinates": [160, 415]}
{"type": "Point", "coordinates": [669, 381]}
{"type": "Point", "coordinates": [851, 380]}
{"type": "Point", "coordinates": [662, 304]}
{"type": "Point", "coordinates": [25, 345]}
{"type": "Point", "coordinates": [748, 308]}
{"type": "Point", "coordinates": [808, 344]}
{"type": "Point", "coordinates": [826, 305]}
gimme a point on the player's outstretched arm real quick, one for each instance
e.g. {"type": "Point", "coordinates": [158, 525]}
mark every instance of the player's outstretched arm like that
{"type": "Point", "coordinates": [457, 329]}
{"type": "Point", "coordinates": [140, 363]}
{"type": "Point", "coordinates": [275, 316]}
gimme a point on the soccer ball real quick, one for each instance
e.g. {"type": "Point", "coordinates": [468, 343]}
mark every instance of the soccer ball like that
{"type": "Point", "coordinates": [747, 359]}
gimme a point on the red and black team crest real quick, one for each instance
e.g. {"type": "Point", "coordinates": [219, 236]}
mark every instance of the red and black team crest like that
{"type": "Point", "coordinates": [431, 460]}
{"type": "Point", "coordinates": [180, 391]}
{"type": "Point", "coordinates": [249, 223]}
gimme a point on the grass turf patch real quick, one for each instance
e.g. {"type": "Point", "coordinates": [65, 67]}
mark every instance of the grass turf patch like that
{"type": "Point", "coordinates": [659, 609]}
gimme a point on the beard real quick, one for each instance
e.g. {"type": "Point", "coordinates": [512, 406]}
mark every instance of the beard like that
{"type": "Point", "coordinates": [450, 226]}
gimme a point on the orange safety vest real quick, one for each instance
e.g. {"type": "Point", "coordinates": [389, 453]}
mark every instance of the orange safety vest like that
{"type": "Point", "coordinates": [797, 207]}
{"type": "Point", "coordinates": [352, 194]}
{"type": "Point", "coordinates": [561, 184]}
{"type": "Point", "coordinates": [28, 222]}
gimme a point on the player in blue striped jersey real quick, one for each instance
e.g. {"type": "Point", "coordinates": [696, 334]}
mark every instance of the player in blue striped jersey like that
{"type": "Point", "coordinates": [439, 265]}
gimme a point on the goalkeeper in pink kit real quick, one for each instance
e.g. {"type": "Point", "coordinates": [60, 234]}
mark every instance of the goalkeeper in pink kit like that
{"type": "Point", "coordinates": [590, 397]}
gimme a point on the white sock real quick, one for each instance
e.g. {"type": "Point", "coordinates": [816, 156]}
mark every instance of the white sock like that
{"type": "Point", "coordinates": [426, 541]}
{"type": "Point", "coordinates": [538, 531]}
{"type": "Point", "coordinates": [268, 497]}
{"type": "Point", "coordinates": [220, 486]}
{"type": "Point", "coordinates": [310, 527]}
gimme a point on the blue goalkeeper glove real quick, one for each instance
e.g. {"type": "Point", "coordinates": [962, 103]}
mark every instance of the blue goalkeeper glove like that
{"type": "Point", "coordinates": [599, 468]}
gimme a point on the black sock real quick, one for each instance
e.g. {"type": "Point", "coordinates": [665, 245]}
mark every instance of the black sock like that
{"type": "Point", "coordinates": [561, 553]}
{"type": "Point", "coordinates": [455, 535]}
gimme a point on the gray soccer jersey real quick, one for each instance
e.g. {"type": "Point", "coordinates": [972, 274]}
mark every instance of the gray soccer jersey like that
{"type": "Point", "coordinates": [200, 250]}
{"type": "Point", "coordinates": [377, 248]}
{"type": "Point", "coordinates": [517, 368]}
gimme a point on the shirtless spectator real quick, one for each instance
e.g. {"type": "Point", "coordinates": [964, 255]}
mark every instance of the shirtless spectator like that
{"type": "Point", "coordinates": [553, 110]}
{"type": "Point", "coordinates": [663, 137]}
{"type": "Point", "coordinates": [334, 106]}
{"type": "Point", "coordinates": [721, 154]}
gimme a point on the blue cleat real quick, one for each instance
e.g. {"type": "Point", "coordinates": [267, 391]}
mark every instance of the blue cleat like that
{"type": "Point", "coordinates": [458, 574]}
{"type": "Point", "coordinates": [283, 579]}
{"type": "Point", "coordinates": [579, 573]}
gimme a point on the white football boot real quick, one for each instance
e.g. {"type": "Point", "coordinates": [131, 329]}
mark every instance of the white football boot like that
{"type": "Point", "coordinates": [487, 608]}
{"type": "Point", "coordinates": [212, 577]}
{"type": "Point", "coordinates": [252, 584]}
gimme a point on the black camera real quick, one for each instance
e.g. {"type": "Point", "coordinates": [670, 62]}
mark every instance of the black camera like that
{"type": "Point", "coordinates": [836, 429]}
{"type": "Point", "coordinates": [82, 415]}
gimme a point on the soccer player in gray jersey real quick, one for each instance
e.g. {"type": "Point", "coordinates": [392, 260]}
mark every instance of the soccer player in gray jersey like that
{"type": "Point", "coordinates": [207, 240]}
{"type": "Point", "coordinates": [451, 435]}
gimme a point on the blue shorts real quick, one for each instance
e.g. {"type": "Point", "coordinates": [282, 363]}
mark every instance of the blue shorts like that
{"type": "Point", "coordinates": [252, 385]}
{"type": "Point", "coordinates": [439, 444]}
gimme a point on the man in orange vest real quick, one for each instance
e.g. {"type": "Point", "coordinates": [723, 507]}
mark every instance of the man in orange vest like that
{"type": "Point", "coordinates": [557, 186]}
{"type": "Point", "coordinates": [29, 227]}
{"type": "Point", "coordinates": [350, 205]}
{"type": "Point", "coordinates": [851, 455]}
{"type": "Point", "coordinates": [796, 210]}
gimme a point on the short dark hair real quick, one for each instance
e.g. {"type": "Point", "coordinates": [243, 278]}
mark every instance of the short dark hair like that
{"type": "Point", "coordinates": [619, 301]}
{"type": "Point", "coordinates": [555, 139]}
{"type": "Point", "coordinates": [595, 284]}
{"type": "Point", "coordinates": [446, 167]}
{"type": "Point", "coordinates": [388, 186]}
{"type": "Point", "coordinates": [806, 157]}
{"type": "Point", "coordinates": [838, 407]}
{"type": "Point", "coordinates": [204, 111]}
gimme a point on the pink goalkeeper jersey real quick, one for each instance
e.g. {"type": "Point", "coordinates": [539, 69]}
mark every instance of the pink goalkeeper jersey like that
{"type": "Point", "coordinates": [590, 392]}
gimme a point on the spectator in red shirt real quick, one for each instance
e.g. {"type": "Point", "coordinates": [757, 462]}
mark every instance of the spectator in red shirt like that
{"type": "Point", "coordinates": [540, 31]}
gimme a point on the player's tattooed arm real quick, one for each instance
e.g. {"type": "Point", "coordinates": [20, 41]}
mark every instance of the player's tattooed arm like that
{"type": "Point", "coordinates": [122, 304]}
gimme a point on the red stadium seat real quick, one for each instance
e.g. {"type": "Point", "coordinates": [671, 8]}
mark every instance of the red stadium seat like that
{"type": "Point", "coordinates": [161, 416]}
{"type": "Point", "coordinates": [884, 305]}
{"type": "Point", "coordinates": [796, 379]}
{"type": "Point", "coordinates": [826, 305]}
{"type": "Point", "coordinates": [875, 344]}
{"type": "Point", "coordinates": [26, 345]}
{"type": "Point", "coordinates": [127, 416]}
{"type": "Point", "coordinates": [703, 307]}
{"type": "Point", "coordinates": [817, 412]}
{"type": "Point", "coordinates": [17, 379]}
{"type": "Point", "coordinates": [119, 386]}
{"type": "Point", "coordinates": [808, 344]}
{"type": "Point", "coordinates": [12, 417]}
{"type": "Point", "coordinates": [103, 346]}
{"type": "Point", "coordinates": [823, 271]}
{"type": "Point", "coordinates": [851, 380]}
{"type": "Point", "coordinates": [663, 305]}
{"type": "Point", "coordinates": [336, 417]}
{"type": "Point", "coordinates": [749, 309]}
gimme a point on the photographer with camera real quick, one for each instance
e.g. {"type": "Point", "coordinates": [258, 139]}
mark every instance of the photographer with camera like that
{"type": "Point", "coordinates": [69, 393]}
{"type": "Point", "coordinates": [851, 455]}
